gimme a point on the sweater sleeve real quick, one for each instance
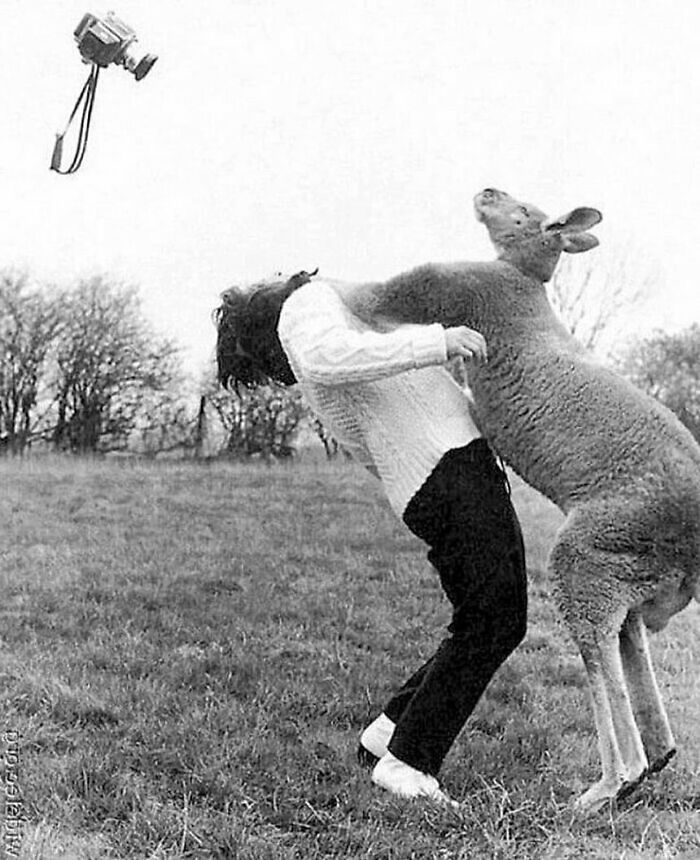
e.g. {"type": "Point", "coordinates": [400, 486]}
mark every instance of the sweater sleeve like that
{"type": "Point", "coordinates": [324, 347]}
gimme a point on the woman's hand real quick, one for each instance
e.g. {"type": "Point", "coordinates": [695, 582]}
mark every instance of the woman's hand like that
{"type": "Point", "coordinates": [465, 342]}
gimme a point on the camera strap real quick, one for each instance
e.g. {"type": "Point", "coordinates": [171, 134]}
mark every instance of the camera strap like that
{"type": "Point", "coordinates": [87, 99]}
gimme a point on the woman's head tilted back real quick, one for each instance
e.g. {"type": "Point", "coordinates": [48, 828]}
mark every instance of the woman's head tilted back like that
{"type": "Point", "coordinates": [248, 351]}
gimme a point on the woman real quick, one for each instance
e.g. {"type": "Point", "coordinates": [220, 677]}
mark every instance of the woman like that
{"type": "Point", "coordinates": [387, 398]}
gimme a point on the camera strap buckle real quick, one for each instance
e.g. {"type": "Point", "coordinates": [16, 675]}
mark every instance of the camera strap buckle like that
{"type": "Point", "coordinates": [87, 98]}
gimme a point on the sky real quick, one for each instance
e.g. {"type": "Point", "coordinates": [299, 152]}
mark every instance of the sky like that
{"type": "Point", "coordinates": [352, 136]}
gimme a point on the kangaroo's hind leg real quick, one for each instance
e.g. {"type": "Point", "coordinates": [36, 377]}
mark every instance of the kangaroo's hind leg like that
{"type": "Point", "coordinates": [623, 760]}
{"type": "Point", "coordinates": [588, 582]}
{"type": "Point", "coordinates": [651, 715]}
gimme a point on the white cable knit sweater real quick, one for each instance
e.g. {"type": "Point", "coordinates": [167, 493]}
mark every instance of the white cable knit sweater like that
{"type": "Point", "coordinates": [382, 395]}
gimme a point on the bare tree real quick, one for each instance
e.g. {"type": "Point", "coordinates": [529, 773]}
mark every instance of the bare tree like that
{"type": "Point", "coordinates": [30, 322]}
{"type": "Point", "coordinates": [259, 421]}
{"type": "Point", "coordinates": [593, 294]}
{"type": "Point", "coordinates": [107, 357]}
{"type": "Point", "coordinates": [166, 423]}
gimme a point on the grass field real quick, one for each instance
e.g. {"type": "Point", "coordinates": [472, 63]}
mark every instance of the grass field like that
{"type": "Point", "coordinates": [188, 654]}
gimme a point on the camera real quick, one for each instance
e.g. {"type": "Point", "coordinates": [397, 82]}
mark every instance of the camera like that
{"type": "Point", "coordinates": [109, 40]}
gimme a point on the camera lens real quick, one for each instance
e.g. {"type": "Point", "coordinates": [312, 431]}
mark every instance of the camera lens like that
{"type": "Point", "coordinates": [144, 66]}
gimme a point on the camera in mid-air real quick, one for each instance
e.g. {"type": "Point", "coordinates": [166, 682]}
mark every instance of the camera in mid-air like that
{"type": "Point", "coordinates": [109, 40]}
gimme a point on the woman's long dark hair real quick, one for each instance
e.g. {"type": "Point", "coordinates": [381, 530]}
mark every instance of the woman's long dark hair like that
{"type": "Point", "coordinates": [248, 351]}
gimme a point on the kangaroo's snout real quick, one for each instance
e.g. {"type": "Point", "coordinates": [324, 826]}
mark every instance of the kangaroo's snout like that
{"type": "Point", "coordinates": [482, 199]}
{"type": "Point", "coordinates": [499, 211]}
{"type": "Point", "coordinates": [485, 198]}
{"type": "Point", "coordinates": [490, 194]}
{"type": "Point", "coordinates": [506, 217]}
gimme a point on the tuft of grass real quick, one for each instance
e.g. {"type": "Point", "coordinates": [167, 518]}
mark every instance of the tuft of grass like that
{"type": "Point", "coordinates": [190, 652]}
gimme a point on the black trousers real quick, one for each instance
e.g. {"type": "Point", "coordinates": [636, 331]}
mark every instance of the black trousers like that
{"type": "Point", "coordinates": [464, 513]}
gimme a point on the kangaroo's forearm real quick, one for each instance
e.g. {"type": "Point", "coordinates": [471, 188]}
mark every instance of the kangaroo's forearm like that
{"type": "Point", "coordinates": [424, 295]}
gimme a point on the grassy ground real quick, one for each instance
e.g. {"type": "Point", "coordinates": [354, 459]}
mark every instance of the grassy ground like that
{"type": "Point", "coordinates": [188, 654]}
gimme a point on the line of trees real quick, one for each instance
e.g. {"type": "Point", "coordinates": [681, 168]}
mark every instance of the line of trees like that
{"type": "Point", "coordinates": [78, 366]}
{"type": "Point", "coordinates": [83, 371]}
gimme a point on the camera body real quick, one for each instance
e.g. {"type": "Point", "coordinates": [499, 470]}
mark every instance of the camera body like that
{"type": "Point", "coordinates": [109, 40]}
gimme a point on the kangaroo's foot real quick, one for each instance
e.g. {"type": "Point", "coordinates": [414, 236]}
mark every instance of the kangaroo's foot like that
{"type": "Point", "coordinates": [656, 765]}
{"type": "Point", "coordinates": [597, 796]}
{"type": "Point", "coordinates": [660, 762]}
{"type": "Point", "coordinates": [628, 787]}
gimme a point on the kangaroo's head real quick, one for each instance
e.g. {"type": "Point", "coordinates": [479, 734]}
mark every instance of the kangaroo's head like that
{"type": "Point", "coordinates": [527, 239]}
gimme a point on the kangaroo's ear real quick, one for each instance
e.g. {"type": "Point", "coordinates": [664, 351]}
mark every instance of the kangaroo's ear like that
{"type": "Point", "coordinates": [576, 221]}
{"type": "Point", "coordinates": [578, 242]}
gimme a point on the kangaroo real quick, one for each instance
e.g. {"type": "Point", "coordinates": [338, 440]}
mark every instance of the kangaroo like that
{"type": "Point", "coordinates": [622, 468]}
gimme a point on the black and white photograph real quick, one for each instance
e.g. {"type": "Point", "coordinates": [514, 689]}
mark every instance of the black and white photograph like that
{"type": "Point", "coordinates": [350, 430]}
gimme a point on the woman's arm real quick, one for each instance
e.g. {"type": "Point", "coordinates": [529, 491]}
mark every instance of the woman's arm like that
{"type": "Point", "coordinates": [325, 348]}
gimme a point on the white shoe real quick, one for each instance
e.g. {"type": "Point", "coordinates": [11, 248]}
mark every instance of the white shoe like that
{"type": "Point", "coordinates": [402, 780]}
{"type": "Point", "coordinates": [375, 738]}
